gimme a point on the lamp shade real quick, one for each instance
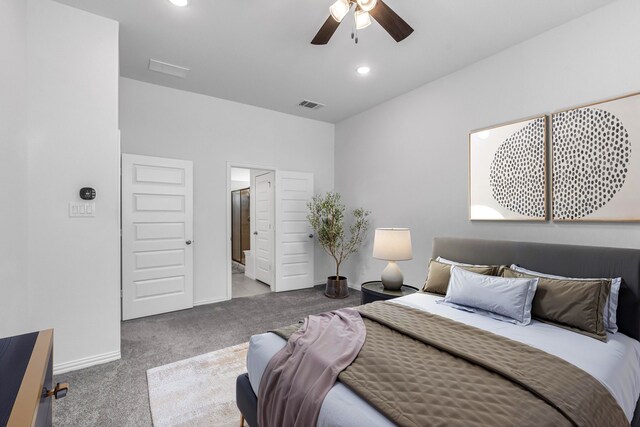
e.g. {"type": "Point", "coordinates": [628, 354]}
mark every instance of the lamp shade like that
{"type": "Point", "coordinates": [367, 5]}
{"type": "Point", "coordinates": [363, 20]}
{"type": "Point", "coordinates": [392, 244]}
{"type": "Point", "coordinates": [339, 9]}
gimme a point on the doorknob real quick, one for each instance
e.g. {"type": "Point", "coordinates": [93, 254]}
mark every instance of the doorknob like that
{"type": "Point", "coordinates": [311, 236]}
{"type": "Point", "coordinates": [255, 233]}
{"type": "Point", "coordinates": [60, 391]}
{"type": "Point", "coordinates": [188, 242]}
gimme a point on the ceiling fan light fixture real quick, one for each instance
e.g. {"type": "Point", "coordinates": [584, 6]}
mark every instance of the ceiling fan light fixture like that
{"type": "Point", "coordinates": [363, 20]}
{"type": "Point", "coordinates": [367, 5]}
{"type": "Point", "coordinates": [340, 9]}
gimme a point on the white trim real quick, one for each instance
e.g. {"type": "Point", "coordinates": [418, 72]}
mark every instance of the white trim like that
{"type": "Point", "coordinates": [241, 165]}
{"type": "Point", "coordinates": [85, 362]}
{"type": "Point", "coordinates": [119, 190]}
{"type": "Point", "coordinates": [209, 301]}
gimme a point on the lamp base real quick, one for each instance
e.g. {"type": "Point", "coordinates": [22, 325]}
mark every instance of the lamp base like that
{"type": "Point", "coordinates": [392, 277]}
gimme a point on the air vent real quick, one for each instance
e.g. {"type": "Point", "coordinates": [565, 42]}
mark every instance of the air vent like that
{"type": "Point", "coordinates": [311, 105]}
{"type": "Point", "coordinates": [170, 69]}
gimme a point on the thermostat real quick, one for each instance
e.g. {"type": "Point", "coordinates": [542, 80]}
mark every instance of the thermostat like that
{"type": "Point", "coordinates": [87, 193]}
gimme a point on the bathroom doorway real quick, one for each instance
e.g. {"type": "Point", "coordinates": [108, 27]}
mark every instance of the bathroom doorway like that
{"type": "Point", "coordinates": [252, 237]}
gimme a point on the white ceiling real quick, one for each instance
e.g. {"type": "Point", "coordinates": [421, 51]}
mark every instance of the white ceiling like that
{"type": "Point", "coordinates": [258, 52]}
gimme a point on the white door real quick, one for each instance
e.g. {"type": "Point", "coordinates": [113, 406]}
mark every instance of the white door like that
{"type": "Point", "coordinates": [294, 238]}
{"type": "Point", "coordinates": [157, 234]}
{"type": "Point", "coordinates": [264, 233]}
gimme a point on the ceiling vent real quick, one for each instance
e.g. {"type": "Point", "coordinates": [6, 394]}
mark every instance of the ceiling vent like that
{"type": "Point", "coordinates": [310, 104]}
{"type": "Point", "coordinates": [170, 69]}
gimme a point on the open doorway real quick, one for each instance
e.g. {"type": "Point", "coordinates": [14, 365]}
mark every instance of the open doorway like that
{"type": "Point", "coordinates": [252, 231]}
{"type": "Point", "coordinates": [281, 250]}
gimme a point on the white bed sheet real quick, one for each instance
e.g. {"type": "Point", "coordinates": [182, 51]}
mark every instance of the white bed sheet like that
{"type": "Point", "coordinates": [616, 363]}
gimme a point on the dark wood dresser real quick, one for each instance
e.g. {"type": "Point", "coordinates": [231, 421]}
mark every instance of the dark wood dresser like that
{"type": "Point", "coordinates": [26, 370]}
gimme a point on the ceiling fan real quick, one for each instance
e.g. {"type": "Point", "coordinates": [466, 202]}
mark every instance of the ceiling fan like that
{"type": "Point", "coordinates": [364, 10]}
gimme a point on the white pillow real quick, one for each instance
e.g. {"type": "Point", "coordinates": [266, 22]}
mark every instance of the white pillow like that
{"type": "Point", "coordinates": [497, 297]}
{"type": "Point", "coordinates": [447, 261]}
{"type": "Point", "coordinates": [610, 317]}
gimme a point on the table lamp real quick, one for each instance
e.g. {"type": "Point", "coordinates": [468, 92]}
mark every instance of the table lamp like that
{"type": "Point", "coordinates": [392, 244]}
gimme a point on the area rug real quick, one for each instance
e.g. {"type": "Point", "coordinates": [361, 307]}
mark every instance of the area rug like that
{"type": "Point", "coordinates": [200, 391]}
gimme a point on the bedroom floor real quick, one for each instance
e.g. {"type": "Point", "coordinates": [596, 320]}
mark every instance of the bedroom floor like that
{"type": "Point", "coordinates": [115, 394]}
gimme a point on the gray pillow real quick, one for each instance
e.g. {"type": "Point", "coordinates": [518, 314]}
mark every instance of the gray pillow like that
{"type": "Point", "coordinates": [576, 304]}
{"type": "Point", "coordinates": [439, 275]}
{"type": "Point", "coordinates": [611, 306]}
{"type": "Point", "coordinates": [500, 298]}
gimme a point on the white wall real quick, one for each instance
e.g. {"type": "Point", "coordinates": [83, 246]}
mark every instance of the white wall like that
{"type": "Point", "coordinates": [159, 121]}
{"type": "Point", "coordinates": [13, 168]}
{"type": "Point", "coordinates": [71, 128]}
{"type": "Point", "coordinates": [239, 185]}
{"type": "Point", "coordinates": [406, 160]}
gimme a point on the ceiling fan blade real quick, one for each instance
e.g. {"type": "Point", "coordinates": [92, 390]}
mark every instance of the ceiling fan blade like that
{"type": "Point", "coordinates": [390, 21]}
{"type": "Point", "coordinates": [326, 31]}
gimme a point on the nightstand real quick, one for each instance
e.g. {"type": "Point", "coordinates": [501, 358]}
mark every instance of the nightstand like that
{"type": "Point", "coordinates": [374, 291]}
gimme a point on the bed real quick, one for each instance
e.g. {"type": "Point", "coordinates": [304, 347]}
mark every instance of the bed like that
{"type": "Point", "coordinates": [615, 365]}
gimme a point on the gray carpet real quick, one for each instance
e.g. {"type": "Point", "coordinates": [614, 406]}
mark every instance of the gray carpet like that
{"type": "Point", "coordinates": [115, 394]}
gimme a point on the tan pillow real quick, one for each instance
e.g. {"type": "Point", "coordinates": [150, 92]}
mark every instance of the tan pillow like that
{"type": "Point", "coordinates": [577, 305]}
{"type": "Point", "coordinates": [440, 273]}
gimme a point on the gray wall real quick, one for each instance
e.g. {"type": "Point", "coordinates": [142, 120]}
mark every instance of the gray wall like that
{"type": "Point", "coordinates": [73, 142]}
{"type": "Point", "coordinates": [13, 167]}
{"type": "Point", "coordinates": [164, 122]}
{"type": "Point", "coordinates": [406, 160]}
{"type": "Point", "coordinates": [59, 133]}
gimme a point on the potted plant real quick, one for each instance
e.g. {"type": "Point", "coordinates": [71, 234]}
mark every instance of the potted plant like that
{"type": "Point", "coordinates": [327, 216]}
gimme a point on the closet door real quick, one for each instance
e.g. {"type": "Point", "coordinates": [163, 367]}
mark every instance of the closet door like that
{"type": "Point", "coordinates": [294, 236]}
{"type": "Point", "coordinates": [157, 235]}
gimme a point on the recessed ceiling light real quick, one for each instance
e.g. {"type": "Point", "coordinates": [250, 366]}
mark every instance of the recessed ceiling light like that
{"type": "Point", "coordinates": [180, 3]}
{"type": "Point", "coordinates": [364, 70]}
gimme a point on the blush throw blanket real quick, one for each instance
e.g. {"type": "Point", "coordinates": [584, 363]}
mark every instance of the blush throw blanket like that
{"type": "Point", "coordinates": [299, 376]}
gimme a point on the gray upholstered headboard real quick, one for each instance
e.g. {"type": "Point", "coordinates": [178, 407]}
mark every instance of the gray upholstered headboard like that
{"type": "Point", "coordinates": [564, 260]}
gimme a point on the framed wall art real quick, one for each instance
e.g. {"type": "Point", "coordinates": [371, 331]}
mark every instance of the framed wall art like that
{"type": "Point", "coordinates": [596, 161]}
{"type": "Point", "coordinates": [507, 171]}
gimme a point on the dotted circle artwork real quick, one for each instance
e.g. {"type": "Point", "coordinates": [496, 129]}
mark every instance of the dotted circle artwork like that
{"type": "Point", "coordinates": [591, 152]}
{"type": "Point", "coordinates": [517, 176]}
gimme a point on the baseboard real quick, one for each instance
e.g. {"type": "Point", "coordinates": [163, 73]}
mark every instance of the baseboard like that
{"type": "Point", "coordinates": [209, 301]}
{"type": "Point", "coordinates": [85, 362]}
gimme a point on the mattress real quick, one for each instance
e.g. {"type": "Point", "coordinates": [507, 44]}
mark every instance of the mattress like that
{"type": "Point", "coordinates": [614, 363]}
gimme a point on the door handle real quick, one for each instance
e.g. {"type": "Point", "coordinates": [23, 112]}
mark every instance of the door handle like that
{"type": "Point", "coordinates": [255, 233]}
{"type": "Point", "coordinates": [188, 242]}
{"type": "Point", "coordinates": [311, 236]}
{"type": "Point", "coordinates": [58, 392]}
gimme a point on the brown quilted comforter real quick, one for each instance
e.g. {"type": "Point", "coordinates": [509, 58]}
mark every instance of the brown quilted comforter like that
{"type": "Point", "coordinates": [420, 369]}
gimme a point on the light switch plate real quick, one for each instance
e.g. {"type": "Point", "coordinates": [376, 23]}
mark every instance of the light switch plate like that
{"type": "Point", "coordinates": [82, 209]}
